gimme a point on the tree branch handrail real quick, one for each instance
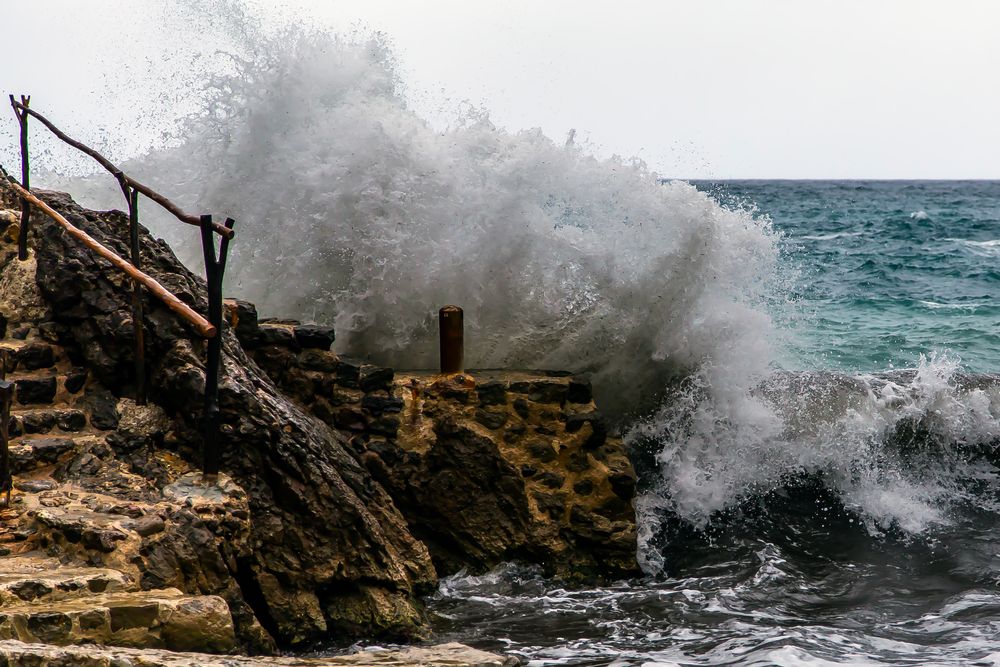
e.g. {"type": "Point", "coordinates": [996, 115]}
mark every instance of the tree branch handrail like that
{"type": "Point", "coordinates": [204, 327]}
{"type": "Point", "coordinates": [118, 173]}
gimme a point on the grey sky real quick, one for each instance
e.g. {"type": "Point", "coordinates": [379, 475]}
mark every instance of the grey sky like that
{"type": "Point", "coordinates": [719, 88]}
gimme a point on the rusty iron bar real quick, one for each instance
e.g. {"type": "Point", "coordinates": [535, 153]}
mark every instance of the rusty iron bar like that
{"type": "Point", "coordinates": [138, 332]}
{"type": "Point", "coordinates": [21, 111]}
{"type": "Point", "coordinates": [115, 171]}
{"type": "Point", "coordinates": [185, 311]}
{"type": "Point", "coordinates": [451, 330]}
{"type": "Point", "coordinates": [215, 269]}
{"type": "Point", "coordinates": [6, 396]}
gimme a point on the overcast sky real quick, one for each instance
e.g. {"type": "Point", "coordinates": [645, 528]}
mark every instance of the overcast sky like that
{"type": "Point", "coordinates": [703, 88]}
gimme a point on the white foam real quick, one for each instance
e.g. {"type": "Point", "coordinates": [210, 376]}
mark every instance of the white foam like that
{"type": "Point", "coordinates": [354, 211]}
{"type": "Point", "coordinates": [715, 454]}
{"type": "Point", "coordinates": [971, 307]}
{"type": "Point", "coordinates": [832, 236]}
{"type": "Point", "coordinates": [990, 248]}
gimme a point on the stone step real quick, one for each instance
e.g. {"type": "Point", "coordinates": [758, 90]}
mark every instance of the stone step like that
{"type": "Point", "coordinates": [70, 381]}
{"type": "Point", "coordinates": [31, 452]}
{"type": "Point", "coordinates": [35, 578]}
{"type": "Point", "coordinates": [33, 356]}
{"type": "Point", "coordinates": [36, 388]}
{"type": "Point", "coordinates": [164, 619]}
{"type": "Point", "coordinates": [44, 420]}
{"type": "Point", "coordinates": [443, 655]}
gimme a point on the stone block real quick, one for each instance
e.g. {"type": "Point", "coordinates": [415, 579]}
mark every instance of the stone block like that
{"type": "Point", "coordinates": [314, 336]}
{"type": "Point", "coordinates": [32, 391]}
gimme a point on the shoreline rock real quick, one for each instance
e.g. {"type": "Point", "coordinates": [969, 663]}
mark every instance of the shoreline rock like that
{"type": "Point", "coordinates": [442, 655]}
{"type": "Point", "coordinates": [486, 466]}
{"type": "Point", "coordinates": [348, 488]}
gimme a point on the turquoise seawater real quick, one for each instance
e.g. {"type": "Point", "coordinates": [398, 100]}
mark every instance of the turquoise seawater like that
{"type": "Point", "coordinates": [887, 270]}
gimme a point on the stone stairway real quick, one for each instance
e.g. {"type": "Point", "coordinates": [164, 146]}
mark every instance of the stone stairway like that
{"type": "Point", "coordinates": [75, 509]}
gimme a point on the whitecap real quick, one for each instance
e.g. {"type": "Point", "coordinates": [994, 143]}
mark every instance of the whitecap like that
{"type": "Point", "coordinates": [969, 307]}
{"type": "Point", "coordinates": [989, 248]}
{"type": "Point", "coordinates": [830, 237]}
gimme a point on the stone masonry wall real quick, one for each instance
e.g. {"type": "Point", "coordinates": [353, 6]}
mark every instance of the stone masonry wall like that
{"type": "Point", "coordinates": [486, 466]}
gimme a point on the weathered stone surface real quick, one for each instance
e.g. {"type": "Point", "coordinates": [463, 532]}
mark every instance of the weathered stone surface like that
{"type": "Point", "coordinates": [242, 317]}
{"type": "Point", "coordinates": [300, 537]}
{"type": "Point", "coordinates": [514, 479]}
{"type": "Point", "coordinates": [444, 655]}
{"type": "Point", "coordinates": [314, 336]}
{"type": "Point", "coordinates": [34, 357]}
{"type": "Point", "coordinates": [150, 619]}
{"type": "Point", "coordinates": [320, 529]}
{"type": "Point", "coordinates": [485, 466]}
{"type": "Point", "coordinates": [35, 390]}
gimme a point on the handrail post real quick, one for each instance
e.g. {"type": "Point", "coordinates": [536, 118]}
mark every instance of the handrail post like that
{"type": "Point", "coordinates": [22, 119]}
{"type": "Point", "coordinates": [138, 332]}
{"type": "Point", "coordinates": [214, 272]}
{"type": "Point", "coordinates": [451, 338]}
{"type": "Point", "coordinates": [6, 396]}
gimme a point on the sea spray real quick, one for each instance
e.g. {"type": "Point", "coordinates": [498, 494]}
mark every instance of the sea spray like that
{"type": "Point", "coordinates": [900, 450]}
{"type": "Point", "coordinates": [353, 210]}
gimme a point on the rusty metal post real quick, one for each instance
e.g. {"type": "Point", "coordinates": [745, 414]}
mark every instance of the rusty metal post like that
{"type": "Point", "coordinates": [6, 396]}
{"type": "Point", "coordinates": [452, 332]}
{"type": "Point", "coordinates": [22, 119]}
{"type": "Point", "coordinates": [214, 272]}
{"type": "Point", "coordinates": [138, 332]}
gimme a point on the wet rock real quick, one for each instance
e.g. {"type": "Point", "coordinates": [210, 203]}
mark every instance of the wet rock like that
{"type": "Point", "coordinates": [75, 380]}
{"type": "Point", "coordinates": [579, 390]}
{"type": "Point", "coordinates": [41, 655]}
{"type": "Point", "coordinates": [35, 356]}
{"type": "Point", "coordinates": [35, 485]}
{"type": "Point", "coordinates": [149, 525]}
{"type": "Point", "coordinates": [542, 450]}
{"type": "Point", "coordinates": [380, 404]}
{"type": "Point", "coordinates": [103, 409]}
{"type": "Point", "coordinates": [282, 336]}
{"type": "Point", "coordinates": [314, 336]}
{"type": "Point", "coordinates": [242, 316]}
{"type": "Point", "coordinates": [491, 420]}
{"type": "Point", "coordinates": [38, 422]}
{"type": "Point", "coordinates": [492, 393]}
{"type": "Point", "coordinates": [317, 360]}
{"type": "Point", "coordinates": [35, 390]}
{"type": "Point", "coordinates": [317, 522]}
{"type": "Point", "coordinates": [71, 420]}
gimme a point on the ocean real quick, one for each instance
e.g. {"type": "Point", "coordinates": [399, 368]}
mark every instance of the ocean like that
{"type": "Point", "coordinates": [866, 533]}
{"type": "Point", "coordinates": [890, 270]}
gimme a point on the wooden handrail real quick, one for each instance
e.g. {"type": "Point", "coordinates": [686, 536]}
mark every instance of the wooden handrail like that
{"type": "Point", "coordinates": [111, 167]}
{"type": "Point", "coordinates": [204, 327]}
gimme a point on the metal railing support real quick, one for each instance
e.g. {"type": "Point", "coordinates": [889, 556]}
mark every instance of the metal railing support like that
{"type": "Point", "coordinates": [215, 269]}
{"type": "Point", "coordinates": [156, 289]}
{"type": "Point", "coordinates": [6, 397]}
{"type": "Point", "coordinates": [451, 328]}
{"type": "Point", "coordinates": [138, 332]}
{"type": "Point", "coordinates": [21, 111]}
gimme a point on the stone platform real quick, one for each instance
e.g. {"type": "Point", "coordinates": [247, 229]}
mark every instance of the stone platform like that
{"type": "Point", "coordinates": [443, 655]}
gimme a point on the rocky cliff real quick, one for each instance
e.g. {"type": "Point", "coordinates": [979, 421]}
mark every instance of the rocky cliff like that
{"type": "Point", "coordinates": [354, 488]}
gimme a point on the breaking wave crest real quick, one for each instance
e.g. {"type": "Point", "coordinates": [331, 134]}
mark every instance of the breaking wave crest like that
{"type": "Point", "coordinates": [903, 451]}
{"type": "Point", "coordinates": [354, 210]}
